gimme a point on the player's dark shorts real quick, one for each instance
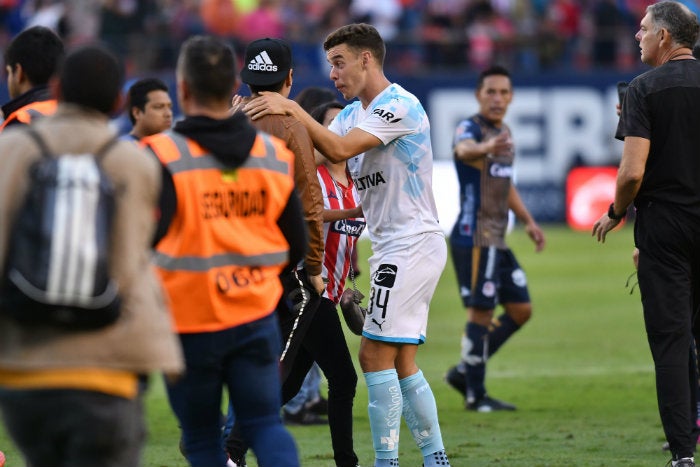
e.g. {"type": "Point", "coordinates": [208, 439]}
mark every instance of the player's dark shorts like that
{"type": "Point", "coordinates": [498, 278]}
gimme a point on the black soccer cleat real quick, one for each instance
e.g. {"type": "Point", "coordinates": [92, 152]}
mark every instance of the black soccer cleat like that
{"type": "Point", "coordinates": [489, 404]}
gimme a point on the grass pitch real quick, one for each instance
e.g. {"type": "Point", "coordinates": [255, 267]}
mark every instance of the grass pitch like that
{"type": "Point", "coordinates": [580, 373]}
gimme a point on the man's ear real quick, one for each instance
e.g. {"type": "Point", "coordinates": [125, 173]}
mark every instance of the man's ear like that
{"type": "Point", "coordinates": [366, 57]}
{"type": "Point", "coordinates": [183, 90]}
{"type": "Point", "coordinates": [20, 75]}
{"type": "Point", "coordinates": [134, 112]}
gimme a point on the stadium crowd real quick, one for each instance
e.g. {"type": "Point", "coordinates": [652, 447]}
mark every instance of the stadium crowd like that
{"type": "Point", "coordinates": [528, 36]}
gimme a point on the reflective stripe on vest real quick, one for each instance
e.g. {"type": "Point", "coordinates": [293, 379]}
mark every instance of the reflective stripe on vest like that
{"type": "Point", "coordinates": [30, 112]}
{"type": "Point", "coordinates": [208, 161]}
{"type": "Point", "coordinates": [197, 264]}
{"type": "Point", "coordinates": [187, 162]}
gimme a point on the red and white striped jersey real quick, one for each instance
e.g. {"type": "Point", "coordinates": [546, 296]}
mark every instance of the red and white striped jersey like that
{"type": "Point", "coordinates": [340, 236]}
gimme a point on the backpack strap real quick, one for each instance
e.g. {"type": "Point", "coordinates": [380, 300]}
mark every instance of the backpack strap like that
{"type": "Point", "coordinates": [45, 152]}
{"type": "Point", "coordinates": [104, 149]}
{"type": "Point", "coordinates": [39, 142]}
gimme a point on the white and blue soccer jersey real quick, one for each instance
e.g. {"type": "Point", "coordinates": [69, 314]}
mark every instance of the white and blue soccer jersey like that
{"type": "Point", "coordinates": [394, 179]}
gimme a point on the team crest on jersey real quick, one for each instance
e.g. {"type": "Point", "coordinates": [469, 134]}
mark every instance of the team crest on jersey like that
{"type": "Point", "coordinates": [386, 115]}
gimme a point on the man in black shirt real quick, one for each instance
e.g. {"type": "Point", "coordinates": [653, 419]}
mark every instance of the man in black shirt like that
{"type": "Point", "coordinates": [659, 171]}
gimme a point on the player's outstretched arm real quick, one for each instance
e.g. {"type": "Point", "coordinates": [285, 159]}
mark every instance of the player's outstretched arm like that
{"type": "Point", "coordinates": [333, 147]}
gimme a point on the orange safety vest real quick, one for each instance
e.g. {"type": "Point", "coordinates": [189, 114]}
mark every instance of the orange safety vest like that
{"type": "Point", "coordinates": [222, 254]}
{"type": "Point", "coordinates": [31, 111]}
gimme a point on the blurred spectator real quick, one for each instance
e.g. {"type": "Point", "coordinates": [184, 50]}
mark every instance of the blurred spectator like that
{"type": "Point", "coordinates": [422, 35]}
{"type": "Point", "coordinates": [264, 21]}
{"type": "Point", "coordinates": [50, 14]}
{"type": "Point", "coordinates": [607, 20]}
{"type": "Point", "coordinates": [383, 15]}
{"type": "Point", "coordinates": [564, 19]}
{"type": "Point", "coordinates": [125, 26]}
{"type": "Point", "coordinates": [490, 36]}
{"type": "Point", "coordinates": [443, 33]}
{"type": "Point", "coordinates": [220, 17]}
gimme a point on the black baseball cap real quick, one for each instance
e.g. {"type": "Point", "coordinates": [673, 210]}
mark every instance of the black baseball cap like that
{"type": "Point", "coordinates": [267, 61]}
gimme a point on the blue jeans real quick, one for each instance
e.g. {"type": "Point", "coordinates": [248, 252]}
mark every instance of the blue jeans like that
{"type": "Point", "coordinates": [245, 359]}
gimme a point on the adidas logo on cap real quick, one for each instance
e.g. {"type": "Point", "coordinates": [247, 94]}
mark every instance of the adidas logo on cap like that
{"type": "Point", "coordinates": [267, 61]}
{"type": "Point", "coordinates": [262, 62]}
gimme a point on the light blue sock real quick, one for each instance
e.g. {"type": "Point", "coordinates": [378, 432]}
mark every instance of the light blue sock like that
{"type": "Point", "coordinates": [420, 412]}
{"type": "Point", "coordinates": [384, 408]}
{"type": "Point", "coordinates": [386, 462]}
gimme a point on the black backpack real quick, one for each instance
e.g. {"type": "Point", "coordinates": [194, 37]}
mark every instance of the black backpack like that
{"type": "Point", "coordinates": [57, 270]}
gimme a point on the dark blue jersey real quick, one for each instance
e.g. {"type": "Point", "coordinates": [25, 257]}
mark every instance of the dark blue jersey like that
{"type": "Point", "coordinates": [484, 185]}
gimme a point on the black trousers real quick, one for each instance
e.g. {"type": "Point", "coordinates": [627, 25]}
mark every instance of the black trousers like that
{"type": "Point", "coordinates": [316, 336]}
{"type": "Point", "coordinates": [668, 239]}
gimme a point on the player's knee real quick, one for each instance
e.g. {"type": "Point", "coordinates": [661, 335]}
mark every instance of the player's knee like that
{"type": "Point", "coordinates": [520, 314]}
{"type": "Point", "coordinates": [480, 316]}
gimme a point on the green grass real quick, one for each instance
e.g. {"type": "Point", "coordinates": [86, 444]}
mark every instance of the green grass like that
{"type": "Point", "coordinates": [580, 373]}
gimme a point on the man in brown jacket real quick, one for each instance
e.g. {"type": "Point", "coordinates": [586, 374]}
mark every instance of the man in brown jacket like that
{"type": "Point", "coordinates": [89, 380]}
{"type": "Point", "coordinates": [268, 67]}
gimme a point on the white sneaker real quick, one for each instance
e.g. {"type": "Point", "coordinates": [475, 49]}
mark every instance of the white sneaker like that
{"type": "Point", "coordinates": [685, 462]}
{"type": "Point", "coordinates": [230, 463]}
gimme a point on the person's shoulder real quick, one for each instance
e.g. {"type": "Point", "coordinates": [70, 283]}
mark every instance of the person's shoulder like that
{"type": "Point", "coordinates": [398, 93]}
{"type": "Point", "coordinates": [279, 141]}
{"type": "Point", "coordinates": [16, 145]}
{"type": "Point", "coordinates": [129, 156]}
{"type": "Point", "coordinates": [292, 123]}
{"type": "Point", "coordinates": [467, 124]}
{"type": "Point", "coordinates": [151, 139]}
{"type": "Point", "coordinates": [273, 124]}
{"type": "Point", "coordinates": [297, 138]}
{"type": "Point", "coordinates": [649, 74]}
{"type": "Point", "coordinates": [470, 120]}
{"type": "Point", "coordinates": [350, 108]}
{"type": "Point", "coordinates": [128, 137]}
{"type": "Point", "coordinates": [14, 133]}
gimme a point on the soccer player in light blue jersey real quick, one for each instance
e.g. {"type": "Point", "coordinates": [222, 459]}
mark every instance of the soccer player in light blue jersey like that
{"type": "Point", "coordinates": [385, 138]}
